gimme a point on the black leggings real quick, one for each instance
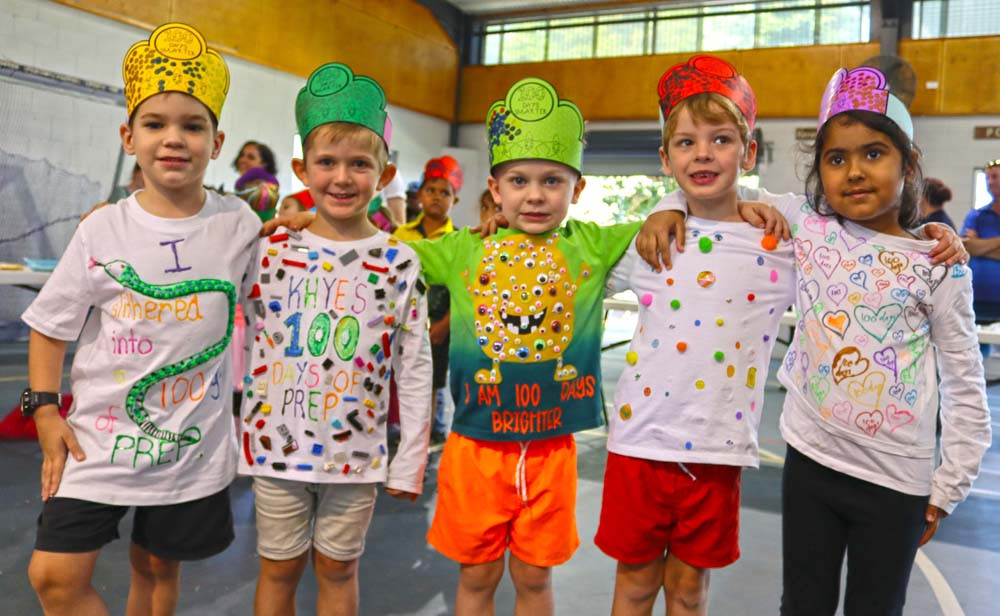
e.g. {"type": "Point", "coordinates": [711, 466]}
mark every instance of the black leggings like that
{"type": "Point", "coordinates": [824, 513]}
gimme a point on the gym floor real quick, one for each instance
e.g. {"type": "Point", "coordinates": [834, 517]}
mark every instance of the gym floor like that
{"type": "Point", "coordinates": [400, 574]}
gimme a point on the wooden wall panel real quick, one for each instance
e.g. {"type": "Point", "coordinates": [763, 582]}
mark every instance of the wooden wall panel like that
{"type": "Point", "coordinates": [970, 77]}
{"type": "Point", "coordinates": [398, 42]}
{"type": "Point", "coordinates": [788, 81]}
{"type": "Point", "coordinates": [925, 57]}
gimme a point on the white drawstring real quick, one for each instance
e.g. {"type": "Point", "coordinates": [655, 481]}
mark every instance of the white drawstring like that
{"type": "Point", "coordinates": [689, 473]}
{"type": "Point", "coordinates": [520, 478]}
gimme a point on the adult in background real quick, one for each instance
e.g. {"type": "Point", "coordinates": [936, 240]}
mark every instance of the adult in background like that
{"type": "Point", "coordinates": [254, 154]}
{"type": "Point", "coordinates": [936, 194]}
{"type": "Point", "coordinates": [981, 235]}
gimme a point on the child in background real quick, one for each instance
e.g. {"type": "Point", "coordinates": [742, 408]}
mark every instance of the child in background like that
{"type": "Point", "coordinates": [487, 207]}
{"type": "Point", "coordinates": [526, 309]}
{"type": "Point", "coordinates": [337, 309]}
{"type": "Point", "coordinates": [438, 192]}
{"type": "Point", "coordinates": [148, 289]}
{"type": "Point", "coordinates": [679, 438]}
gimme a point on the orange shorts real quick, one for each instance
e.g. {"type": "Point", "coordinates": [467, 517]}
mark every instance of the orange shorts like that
{"type": "Point", "coordinates": [491, 497]}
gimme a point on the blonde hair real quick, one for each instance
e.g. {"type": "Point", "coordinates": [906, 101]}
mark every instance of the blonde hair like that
{"type": "Point", "coordinates": [341, 131]}
{"type": "Point", "coordinates": [709, 107]}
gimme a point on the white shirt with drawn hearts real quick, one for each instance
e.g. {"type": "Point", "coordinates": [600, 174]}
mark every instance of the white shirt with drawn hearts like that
{"type": "Point", "coordinates": [884, 340]}
{"type": "Point", "coordinates": [877, 323]}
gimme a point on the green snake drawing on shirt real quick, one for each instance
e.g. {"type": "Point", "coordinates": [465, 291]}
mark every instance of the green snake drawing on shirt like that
{"type": "Point", "coordinates": [135, 404]}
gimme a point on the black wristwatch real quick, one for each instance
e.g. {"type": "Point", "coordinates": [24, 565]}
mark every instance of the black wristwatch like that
{"type": "Point", "coordinates": [31, 400]}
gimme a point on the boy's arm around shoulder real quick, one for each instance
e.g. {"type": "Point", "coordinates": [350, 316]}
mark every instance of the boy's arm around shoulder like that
{"type": "Point", "coordinates": [440, 257]}
{"type": "Point", "coordinates": [412, 368]}
{"type": "Point", "coordinates": [965, 415]}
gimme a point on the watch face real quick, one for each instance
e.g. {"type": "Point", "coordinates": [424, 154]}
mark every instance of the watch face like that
{"type": "Point", "coordinates": [26, 408]}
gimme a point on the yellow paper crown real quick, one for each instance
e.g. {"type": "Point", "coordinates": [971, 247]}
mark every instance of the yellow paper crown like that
{"type": "Point", "coordinates": [175, 59]}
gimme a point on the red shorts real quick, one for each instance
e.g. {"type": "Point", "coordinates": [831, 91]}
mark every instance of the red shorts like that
{"type": "Point", "coordinates": [651, 508]}
{"type": "Point", "coordinates": [493, 496]}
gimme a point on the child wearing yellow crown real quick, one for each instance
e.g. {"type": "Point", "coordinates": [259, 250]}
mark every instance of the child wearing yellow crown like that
{"type": "Point", "coordinates": [148, 288]}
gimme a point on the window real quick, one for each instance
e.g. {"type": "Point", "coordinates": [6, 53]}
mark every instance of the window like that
{"type": "Point", "coordinates": [944, 18]}
{"type": "Point", "coordinates": [677, 29]}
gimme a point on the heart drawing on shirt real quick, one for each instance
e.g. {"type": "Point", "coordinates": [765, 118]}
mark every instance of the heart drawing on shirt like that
{"type": "Point", "coordinates": [867, 392]}
{"type": "Point", "coordinates": [859, 278]}
{"type": "Point", "coordinates": [820, 387]}
{"type": "Point", "coordinates": [849, 265]}
{"type": "Point", "coordinates": [837, 292]}
{"type": "Point", "coordinates": [869, 422]}
{"type": "Point", "coordinates": [931, 276]}
{"type": "Point", "coordinates": [842, 411]}
{"type": "Point", "coordinates": [826, 259]}
{"type": "Point", "coordinates": [906, 280]}
{"type": "Point", "coordinates": [896, 391]}
{"type": "Point", "coordinates": [850, 241]}
{"type": "Point", "coordinates": [848, 363]}
{"type": "Point", "coordinates": [802, 249]}
{"type": "Point", "coordinates": [837, 322]}
{"type": "Point", "coordinates": [915, 319]}
{"type": "Point", "coordinates": [899, 294]}
{"type": "Point", "coordinates": [811, 289]}
{"type": "Point", "coordinates": [886, 358]}
{"type": "Point", "coordinates": [897, 417]}
{"type": "Point", "coordinates": [895, 261]}
{"type": "Point", "coordinates": [877, 322]}
{"type": "Point", "coordinates": [816, 223]}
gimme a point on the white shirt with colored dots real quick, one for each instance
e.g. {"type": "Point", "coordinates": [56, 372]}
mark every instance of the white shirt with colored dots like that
{"type": "Point", "coordinates": [881, 334]}
{"type": "Point", "coordinates": [693, 386]}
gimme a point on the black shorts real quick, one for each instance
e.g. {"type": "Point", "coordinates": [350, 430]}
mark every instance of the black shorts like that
{"type": "Point", "coordinates": [439, 357]}
{"type": "Point", "coordinates": [183, 531]}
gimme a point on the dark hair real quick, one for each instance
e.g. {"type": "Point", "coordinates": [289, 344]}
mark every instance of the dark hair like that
{"type": "Point", "coordinates": [936, 193]}
{"type": "Point", "coordinates": [266, 156]}
{"type": "Point", "coordinates": [909, 200]}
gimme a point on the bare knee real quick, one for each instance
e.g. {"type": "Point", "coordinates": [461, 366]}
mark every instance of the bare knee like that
{"type": "Point", "coordinates": [481, 578]}
{"type": "Point", "coordinates": [55, 583]}
{"type": "Point", "coordinates": [639, 583]}
{"type": "Point", "coordinates": [283, 572]}
{"type": "Point", "coordinates": [156, 568]}
{"type": "Point", "coordinates": [687, 586]}
{"type": "Point", "coordinates": [335, 571]}
{"type": "Point", "coordinates": [530, 578]}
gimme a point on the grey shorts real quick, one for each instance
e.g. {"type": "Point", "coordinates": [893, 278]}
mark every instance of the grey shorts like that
{"type": "Point", "coordinates": [292, 515]}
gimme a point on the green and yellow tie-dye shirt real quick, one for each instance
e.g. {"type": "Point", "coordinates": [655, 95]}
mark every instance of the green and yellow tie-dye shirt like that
{"type": "Point", "coordinates": [526, 320]}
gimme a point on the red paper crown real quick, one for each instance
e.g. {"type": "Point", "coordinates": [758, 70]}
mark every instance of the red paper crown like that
{"type": "Point", "coordinates": [445, 167]}
{"type": "Point", "coordinates": [706, 74]}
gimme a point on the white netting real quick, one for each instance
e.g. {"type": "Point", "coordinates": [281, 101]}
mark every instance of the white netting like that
{"type": "Point", "coordinates": [58, 153]}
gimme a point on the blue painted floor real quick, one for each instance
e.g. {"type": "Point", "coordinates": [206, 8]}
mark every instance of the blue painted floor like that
{"type": "Point", "coordinates": [400, 574]}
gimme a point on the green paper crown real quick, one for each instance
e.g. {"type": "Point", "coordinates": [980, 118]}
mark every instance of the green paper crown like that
{"type": "Point", "coordinates": [531, 122]}
{"type": "Point", "coordinates": [334, 94]}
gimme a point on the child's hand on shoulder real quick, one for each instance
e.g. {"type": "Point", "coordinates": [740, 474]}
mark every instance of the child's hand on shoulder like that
{"type": "Point", "coordinates": [296, 222]}
{"type": "Point", "coordinates": [402, 494]}
{"type": "Point", "coordinates": [653, 240]}
{"type": "Point", "coordinates": [494, 224]}
{"type": "Point", "coordinates": [933, 517]}
{"type": "Point", "coordinates": [949, 249]}
{"type": "Point", "coordinates": [765, 217]}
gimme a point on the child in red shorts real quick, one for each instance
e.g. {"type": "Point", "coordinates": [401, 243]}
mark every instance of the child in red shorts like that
{"type": "Point", "coordinates": [678, 438]}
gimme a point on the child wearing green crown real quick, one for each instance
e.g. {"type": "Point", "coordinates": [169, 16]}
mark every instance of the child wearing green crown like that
{"type": "Point", "coordinates": [338, 310]}
{"type": "Point", "coordinates": [148, 290]}
{"type": "Point", "coordinates": [526, 310]}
